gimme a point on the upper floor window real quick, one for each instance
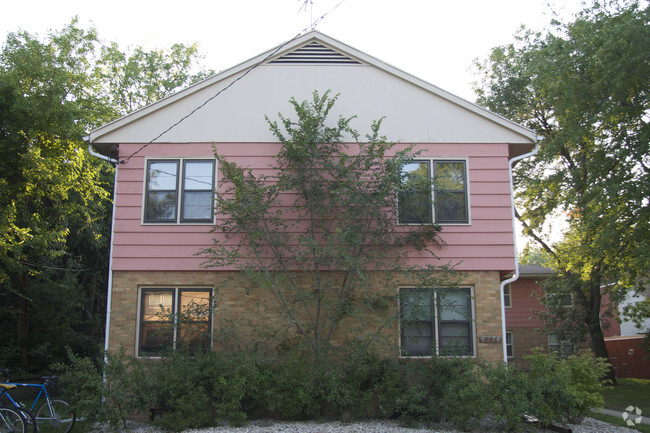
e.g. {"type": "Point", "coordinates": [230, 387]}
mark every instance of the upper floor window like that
{"type": "Point", "coordinates": [436, 323]}
{"type": "Point", "coordinates": [433, 191]}
{"type": "Point", "coordinates": [172, 318]}
{"type": "Point", "coordinates": [179, 190]}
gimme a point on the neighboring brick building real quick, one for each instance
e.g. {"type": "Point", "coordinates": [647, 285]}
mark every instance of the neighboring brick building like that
{"type": "Point", "coordinates": [163, 212]}
{"type": "Point", "coordinates": [521, 299]}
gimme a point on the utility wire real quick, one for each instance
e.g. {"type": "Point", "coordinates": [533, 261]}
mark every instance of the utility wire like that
{"type": "Point", "coordinates": [312, 26]}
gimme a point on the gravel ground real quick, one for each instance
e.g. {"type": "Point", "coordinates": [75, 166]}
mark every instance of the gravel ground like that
{"type": "Point", "coordinates": [589, 425]}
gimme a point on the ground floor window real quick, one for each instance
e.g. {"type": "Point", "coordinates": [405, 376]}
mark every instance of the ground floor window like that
{"type": "Point", "coordinates": [509, 345]}
{"type": "Point", "coordinates": [562, 345]}
{"type": "Point", "coordinates": [174, 318]}
{"type": "Point", "coordinates": [436, 322]}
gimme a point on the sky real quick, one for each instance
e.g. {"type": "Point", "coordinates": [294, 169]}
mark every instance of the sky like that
{"type": "Point", "coordinates": [434, 40]}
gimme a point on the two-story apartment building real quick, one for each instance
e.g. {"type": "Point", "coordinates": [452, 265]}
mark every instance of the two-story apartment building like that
{"type": "Point", "coordinates": [166, 174]}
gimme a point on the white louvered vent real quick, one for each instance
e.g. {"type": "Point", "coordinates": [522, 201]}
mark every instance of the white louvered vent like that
{"type": "Point", "coordinates": [315, 53]}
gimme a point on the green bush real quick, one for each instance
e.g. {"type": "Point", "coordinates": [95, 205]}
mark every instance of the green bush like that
{"type": "Point", "coordinates": [565, 389]}
{"type": "Point", "coordinates": [205, 389]}
{"type": "Point", "coordinates": [109, 393]}
{"type": "Point", "coordinates": [289, 390]}
{"type": "Point", "coordinates": [509, 395]}
{"type": "Point", "coordinates": [586, 373]}
{"type": "Point", "coordinates": [439, 389]}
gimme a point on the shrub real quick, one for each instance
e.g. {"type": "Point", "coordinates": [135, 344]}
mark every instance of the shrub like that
{"type": "Point", "coordinates": [509, 394]}
{"type": "Point", "coordinates": [109, 393]}
{"type": "Point", "coordinates": [450, 389]}
{"type": "Point", "coordinates": [289, 390]}
{"type": "Point", "coordinates": [587, 380]}
{"type": "Point", "coordinates": [566, 389]}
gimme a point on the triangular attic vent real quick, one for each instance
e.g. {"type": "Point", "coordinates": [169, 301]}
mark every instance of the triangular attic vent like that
{"type": "Point", "coordinates": [315, 53]}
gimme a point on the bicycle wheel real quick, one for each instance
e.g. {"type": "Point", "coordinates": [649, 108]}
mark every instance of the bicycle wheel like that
{"type": "Point", "coordinates": [30, 420]}
{"type": "Point", "coordinates": [11, 421]}
{"type": "Point", "coordinates": [55, 416]}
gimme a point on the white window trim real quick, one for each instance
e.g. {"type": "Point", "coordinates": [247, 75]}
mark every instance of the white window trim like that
{"type": "Point", "coordinates": [180, 160]}
{"type": "Point", "coordinates": [176, 290]}
{"type": "Point", "coordinates": [472, 320]}
{"type": "Point", "coordinates": [431, 161]}
{"type": "Point", "coordinates": [507, 289]}
{"type": "Point", "coordinates": [512, 343]}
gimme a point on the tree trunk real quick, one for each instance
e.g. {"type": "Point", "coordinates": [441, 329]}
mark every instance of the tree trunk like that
{"type": "Point", "coordinates": [597, 341]}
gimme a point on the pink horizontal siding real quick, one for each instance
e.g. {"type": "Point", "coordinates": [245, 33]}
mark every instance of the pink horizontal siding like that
{"type": "Point", "coordinates": [485, 244]}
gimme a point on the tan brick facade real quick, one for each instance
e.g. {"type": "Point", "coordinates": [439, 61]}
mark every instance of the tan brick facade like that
{"type": "Point", "coordinates": [257, 309]}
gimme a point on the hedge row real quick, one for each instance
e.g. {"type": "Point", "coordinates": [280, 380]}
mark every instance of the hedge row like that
{"type": "Point", "coordinates": [207, 389]}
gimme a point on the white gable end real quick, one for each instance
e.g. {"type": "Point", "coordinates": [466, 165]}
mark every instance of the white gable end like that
{"type": "Point", "coordinates": [413, 111]}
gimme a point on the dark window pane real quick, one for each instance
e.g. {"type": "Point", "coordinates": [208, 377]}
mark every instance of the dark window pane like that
{"type": "Point", "coordinates": [414, 198]}
{"type": "Point", "coordinates": [154, 337]}
{"type": "Point", "coordinates": [450, 207]}
{"type": "Point", "coordinates": [509, 345]}
{"type": "Point", "coordinates": [161, 206]}
{"type": "Point", "coordinates": [414, 207]}
{"type": "Point", "coordinates": [416, 322]}
{"type": "Point", "coordinates": [450, 192]}
{"type": "Point", "coordinates": [455, 338]}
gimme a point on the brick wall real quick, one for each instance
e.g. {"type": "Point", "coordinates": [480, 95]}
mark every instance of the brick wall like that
{"type": "Point", "coordinates": [255, 311]}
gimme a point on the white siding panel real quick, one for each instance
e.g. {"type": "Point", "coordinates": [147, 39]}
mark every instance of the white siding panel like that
{"type": "Point", "coordinates": [411, 113]}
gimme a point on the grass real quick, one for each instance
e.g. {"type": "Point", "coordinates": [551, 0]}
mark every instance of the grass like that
{"type": "Point", "coordinates": [618, 421]}
{"type": "Point", "coordinates": [628, 392]}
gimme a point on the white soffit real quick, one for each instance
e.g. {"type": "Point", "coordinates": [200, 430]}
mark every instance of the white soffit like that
{"type": "Point", "coordinates": [413, 110]}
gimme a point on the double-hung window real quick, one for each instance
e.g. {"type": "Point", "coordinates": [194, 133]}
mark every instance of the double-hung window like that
{"type": "Point", "coordinates": [561, 344]}
{"type": "Point", "coordinates": [433, 191]}
{"type": "Point", "coordinates": [510, 348]}
{"type": "Point", "coordinates": [174, 318]}
{"type": "Point", "coordinates": [179, 190]}
{"type": "Point", "coordinates": [436, 322]}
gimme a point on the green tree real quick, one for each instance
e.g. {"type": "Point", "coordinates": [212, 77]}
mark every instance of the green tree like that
{"type": "Point", "coordinates": [316, 233]}
{"type": "Point", "coordinates": [54, 197]}
{"type": "Point", "coordinates": [138, 78]}
{"type": "Point", "coordinates": [584, 86]}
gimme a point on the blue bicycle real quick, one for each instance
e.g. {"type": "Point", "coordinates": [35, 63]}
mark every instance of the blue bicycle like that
{"type": "Point", "coordinates": [54, 415]}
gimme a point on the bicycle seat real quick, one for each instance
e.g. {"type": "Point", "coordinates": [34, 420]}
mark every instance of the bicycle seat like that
{"type": "Point", "coordinates": [7, 386]}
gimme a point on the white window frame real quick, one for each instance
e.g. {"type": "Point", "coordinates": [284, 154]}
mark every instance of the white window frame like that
{"type": "Point", "coordinates": [180, 191]}
{"type": "Point", "coordinates": [431, 162]}
{"type": "Point", "coordinates": [507, 296]}
{"type": "Point", "coordinates": [436, 322]}
{"type": "Point", "coordinates": [176, 290]}
{"type": "Point", "coordinates": [510, 344]}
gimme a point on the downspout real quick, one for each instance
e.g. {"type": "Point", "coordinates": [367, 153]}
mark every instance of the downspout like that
{"type": "Point", "coordinates": [515, 276]}
{"type": "Point", "coordinates": [109, 296]}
